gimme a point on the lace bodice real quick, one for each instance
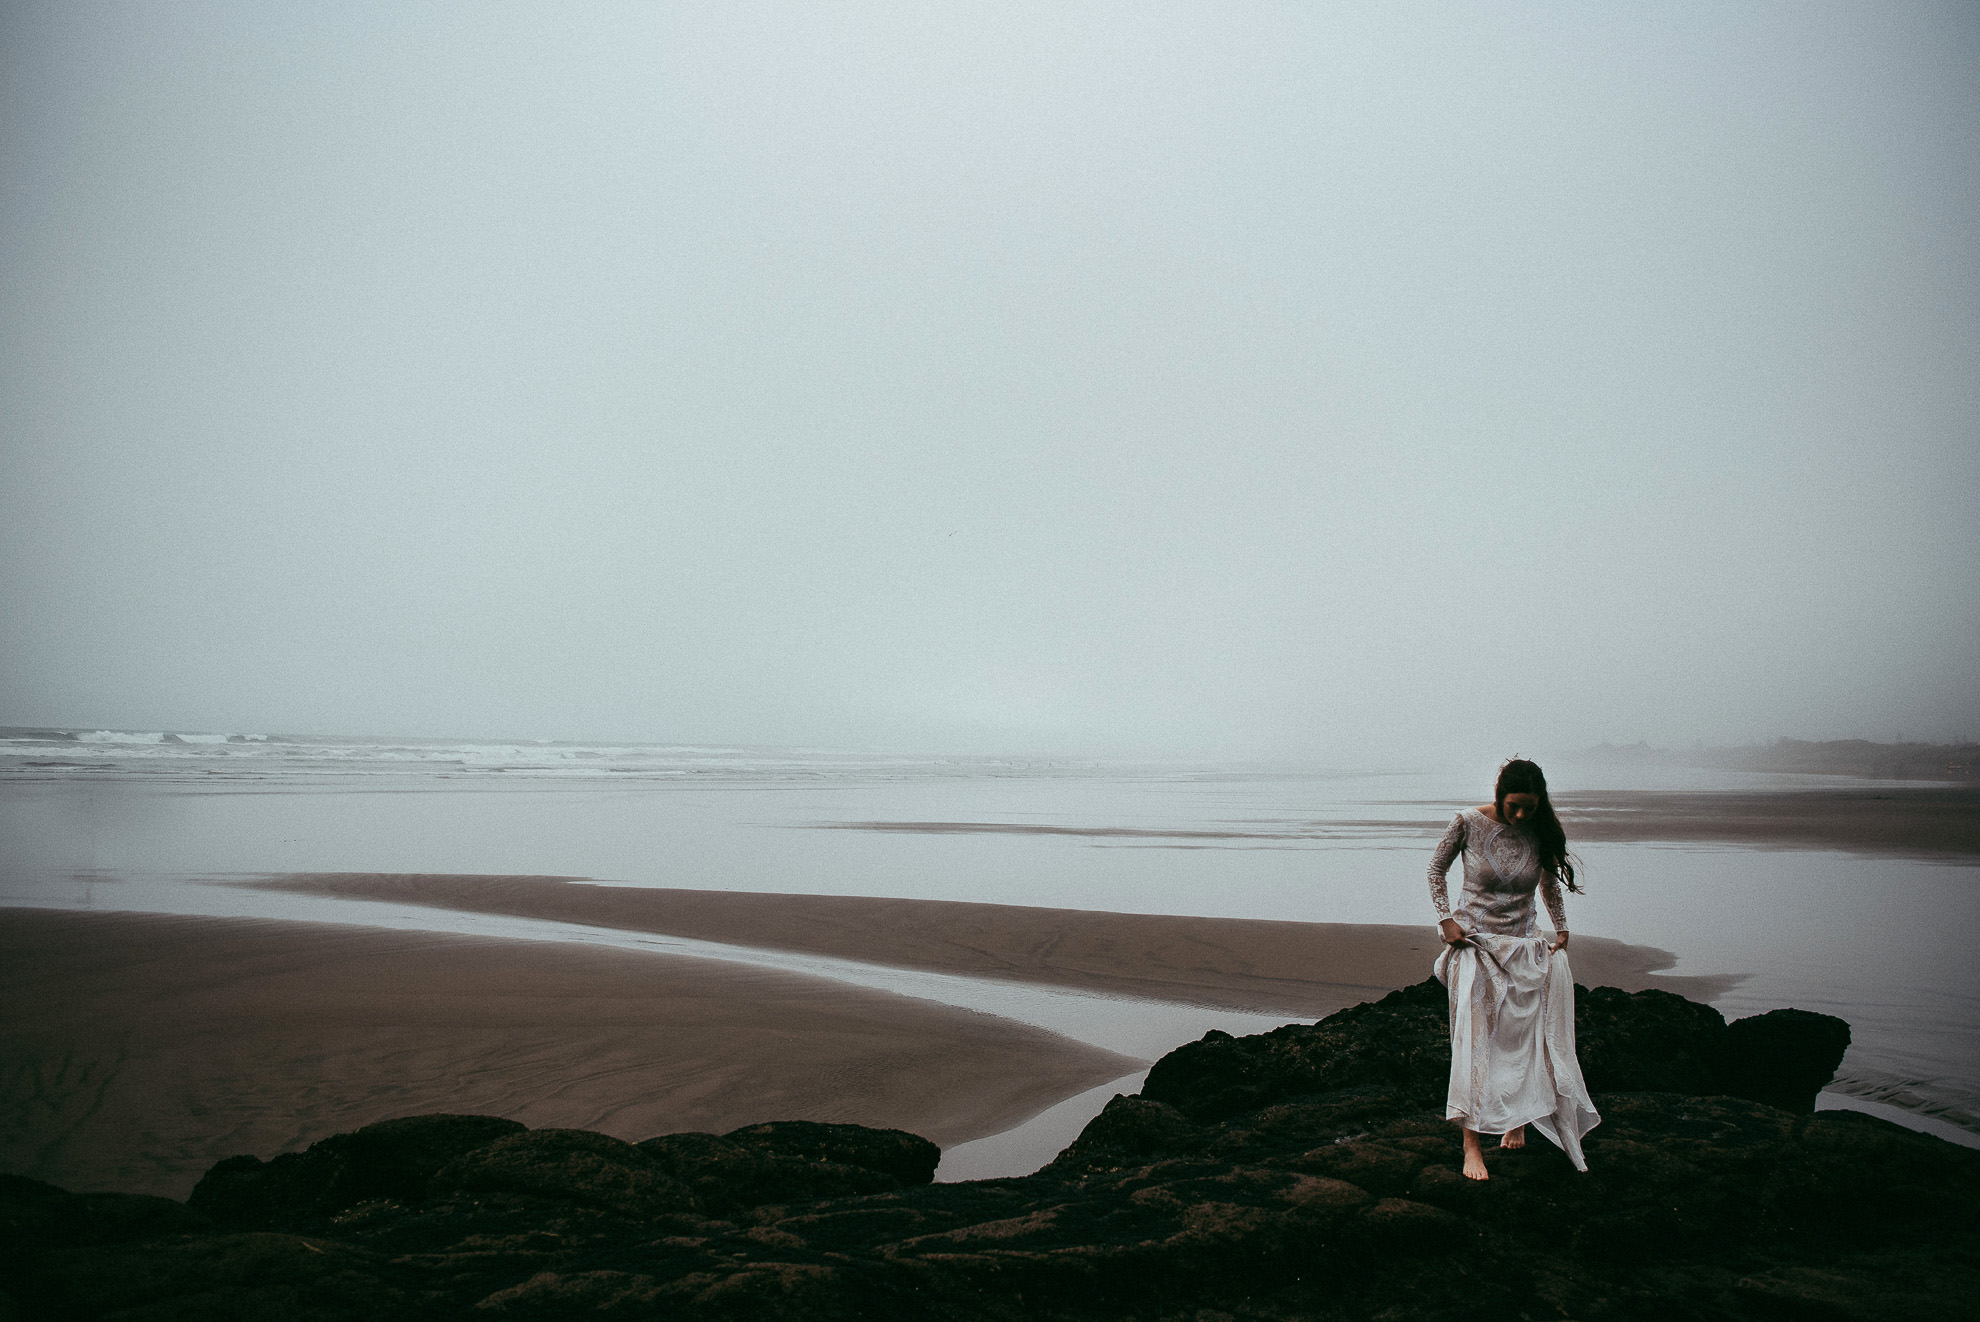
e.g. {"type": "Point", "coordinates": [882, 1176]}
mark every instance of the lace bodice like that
{"type": "Point", "coordinates": [1501, 872]}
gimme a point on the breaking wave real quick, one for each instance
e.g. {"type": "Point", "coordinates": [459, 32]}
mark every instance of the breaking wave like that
{"type": "Point", "coordinates": [48, 753]}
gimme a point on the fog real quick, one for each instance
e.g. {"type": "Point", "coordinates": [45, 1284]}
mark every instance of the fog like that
{"type": "Point", "coordinates": [1242, 380]}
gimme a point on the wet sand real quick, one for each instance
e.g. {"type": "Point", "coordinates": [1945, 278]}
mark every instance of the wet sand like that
{"type": "Point", "coordinates": [1892, 821]}
{"type": "Point", "coordinates": [1901, 821]}
{"type": "Point", "coordinates": [1304, 970]}
{"type": "Point", "coordinates": [136, 1050]}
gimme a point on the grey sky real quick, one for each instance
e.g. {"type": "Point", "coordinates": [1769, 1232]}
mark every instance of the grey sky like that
{"type": "Point", "coordinates": [1310, 380]}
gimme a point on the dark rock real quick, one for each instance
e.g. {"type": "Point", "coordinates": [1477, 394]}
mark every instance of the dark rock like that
{"type": "Point", "coordinates": [1784, 1057]}
{"type": "Point", "coordinates": [254, 1277]}
{"type": "Point", "coordinates": [391, 1159]}
{"type": "Point", "coordinates": [568, 1165]}
{"type": "Point", "coordinates": [553, 1295]}
{"type": "Point", "coordinates": [690, 1155]}
{"type": "Point", "coordinates": [120, 1218]}
{"type": "Point", "coordinates": [1647, 1041]}
{"type": "Point", "coordinates": [1380, 1168]}
{"type": "Point", "coordinates": [395, 1158]}
{"type": "Point", "coordinates": [1401, 1041]}
{"type": "Point", "coordinates": [909, 1158]}
{"type": "Point", "coordinates": [1342, 1114]}
{"type": "Point", "coordinates": [33, 1211]}
{"type": "Point", "coordinates": [1131, 1131]}
{"type": "Point", "coordinates": [27, 1206]}
{"type": "Point", "coordinates": [750, 1168]}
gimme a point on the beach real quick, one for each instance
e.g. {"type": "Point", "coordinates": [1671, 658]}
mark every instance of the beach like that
{"type": "Point", "coordinates": [222, 948]}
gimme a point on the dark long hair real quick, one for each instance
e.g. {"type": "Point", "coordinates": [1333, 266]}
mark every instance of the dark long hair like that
{"type": "Point", "coordinates": [1519, 776]}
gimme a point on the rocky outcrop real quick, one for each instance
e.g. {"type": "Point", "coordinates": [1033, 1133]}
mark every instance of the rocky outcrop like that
{"type": "Point", "coordinates": [1626, 1042]}
{"type": "Point", "coordinates": [1783, 1057]}
{"type": "Point", "coordinates": [1303, 1173]}
{"type": "Point", "coordinates": [792, 1161]}
{"type": "Point", "coordinates": [394, 1159]}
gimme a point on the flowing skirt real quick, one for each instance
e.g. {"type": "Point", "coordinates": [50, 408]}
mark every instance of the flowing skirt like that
{"type": "Point", "coordinates": [1512, 1040]}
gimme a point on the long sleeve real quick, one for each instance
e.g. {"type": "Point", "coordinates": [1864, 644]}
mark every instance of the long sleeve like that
{"type": "Point", "coordinates": [1440, 864]}
{"type": "Point", "coordinates": [1550, 891]}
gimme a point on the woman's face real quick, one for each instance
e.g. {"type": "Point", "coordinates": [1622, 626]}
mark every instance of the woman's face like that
{"type": "Point", "coordinates": [1518, 807]}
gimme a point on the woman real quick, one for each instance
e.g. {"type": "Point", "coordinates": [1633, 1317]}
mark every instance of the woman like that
{"type": "Point", "coordinates": [1512, 993]}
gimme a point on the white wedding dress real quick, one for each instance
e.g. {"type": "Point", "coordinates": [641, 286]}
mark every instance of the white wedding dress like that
{"type": "Point", "coordinates": [1512, 1001]}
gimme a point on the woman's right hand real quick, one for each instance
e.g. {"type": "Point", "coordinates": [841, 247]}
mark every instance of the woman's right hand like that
{"type": "Point", "coordinates": [1453, 934]}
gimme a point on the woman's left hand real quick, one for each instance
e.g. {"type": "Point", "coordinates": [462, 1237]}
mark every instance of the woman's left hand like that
{"type": "Point", "coordinates": [1560, 942]}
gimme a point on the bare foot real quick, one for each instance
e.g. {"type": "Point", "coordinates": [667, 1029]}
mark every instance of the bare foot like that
{"type": "Point", "coordinates": [1515, 1139]}
{"type": "Point", "coordinates": [1474, 1157]}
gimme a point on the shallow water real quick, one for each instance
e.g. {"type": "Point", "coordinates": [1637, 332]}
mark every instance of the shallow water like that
{"type": "Point", "coordinates": [125, 825]}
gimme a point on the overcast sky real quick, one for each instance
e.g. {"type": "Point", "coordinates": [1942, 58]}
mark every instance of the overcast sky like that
{"type": "Point", "coordinates": [1295, 380]}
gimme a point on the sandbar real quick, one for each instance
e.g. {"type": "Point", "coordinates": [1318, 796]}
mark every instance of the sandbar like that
{"type": "Point", "coordinates": [1906, 821]}
{"type": "Point", "coordinates": [1304, 970]}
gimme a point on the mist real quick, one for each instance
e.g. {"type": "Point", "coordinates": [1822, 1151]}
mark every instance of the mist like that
{"type": "Point", "coordinates": [1238, 380]}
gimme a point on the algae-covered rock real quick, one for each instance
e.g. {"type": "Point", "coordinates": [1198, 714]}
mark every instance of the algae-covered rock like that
{"type": "Point", "coordinates": [391, 1159]}
{"type": "Point", "coordinates": [1401, 1042]}
{"type": "Point", "coordinates": [1647, 1041]}
{"type": "Point", "coordinates": [568, 1165]}
{"type": "Point", "coordinates": [791, 1161]}
{"type": "Point", "coordinates": [908, 1158]}
{"type": "Point", "coordinates": [36, 1212]}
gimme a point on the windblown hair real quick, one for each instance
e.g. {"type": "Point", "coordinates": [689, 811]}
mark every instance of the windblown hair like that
{"type": "Point", "coordinates": [1519, 776]}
